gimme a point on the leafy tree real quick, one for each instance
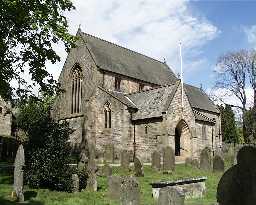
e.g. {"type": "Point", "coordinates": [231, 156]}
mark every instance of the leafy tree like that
{"type": "Point", "coordinates": [28, 31]}
{"type": "Point", "coordinates": [228, 125]}
{"type": "Point", "coordinates": [47, 148]}
{"type": "Point", "coordinates": [250, 124]}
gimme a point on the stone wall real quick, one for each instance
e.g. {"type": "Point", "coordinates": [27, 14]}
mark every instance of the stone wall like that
{"type": "Point", "coordinates": [128, 85]}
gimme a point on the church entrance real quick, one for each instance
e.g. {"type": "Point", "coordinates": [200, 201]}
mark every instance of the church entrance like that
{"type": "Point", "coordinates": [182, 140]}
{"type": "Point", "coordinates": [177, 142]}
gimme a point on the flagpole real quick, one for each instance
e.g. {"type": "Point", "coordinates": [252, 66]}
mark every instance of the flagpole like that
{"type": "Point", "coordinates": [181, 76]}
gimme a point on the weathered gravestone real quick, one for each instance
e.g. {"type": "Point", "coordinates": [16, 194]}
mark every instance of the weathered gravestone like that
{"type": "Point", "coordinates": [109, 154]}
{"type": "Point", "coordinates": [91, 169]}
{"type": "Point", "coordinates": [18, 173]}
{"type": "Point", "coordinates": [125, 159]}
{"type": "Point", "coordinates": [238, 184]}
{"type": "Point", "coordinates": [130, 191]}
{"type": "Point", "coordinates": [106, 170]}
{"type": "Point", "coordinates": [114, 187]}
{"type": "Point", "coordinates": [168, 159]}
{"type": "Point", "coordinates": [156, 160]}
{"type": "Point", "coordinates": [206, 159]}
{"type": "Point", "coordinates": [138, 167]}
{"type": "Point", "coordinates": [171, 196]}
{"type": "Point", "coordinates": [192, 162]}
{"type": "Point", "coordinates": [75, 183]}
{"type": "Point", "coordinates": [218, 164]}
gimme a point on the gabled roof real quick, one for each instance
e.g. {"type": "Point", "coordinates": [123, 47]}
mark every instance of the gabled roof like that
{"type": "Point", "coordinates": [199, 99]}
{"type": "Point", "coordinates": [117, 59]}
{"type": "Point", "coordinates": [152, 103]}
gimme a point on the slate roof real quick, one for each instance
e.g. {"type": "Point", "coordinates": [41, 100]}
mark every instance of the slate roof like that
{"type": "Point", "coordinates": [152, 103]}
{"type": "Point", "coordinates": [199, 99]}
{"type": "Point", "coordinates": [117, 59]}
{"type": "Point", "coordinates": [120, 97]}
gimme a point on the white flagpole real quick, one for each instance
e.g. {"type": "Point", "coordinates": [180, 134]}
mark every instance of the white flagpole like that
{"type": "Point", "coordinates": [181, 76]}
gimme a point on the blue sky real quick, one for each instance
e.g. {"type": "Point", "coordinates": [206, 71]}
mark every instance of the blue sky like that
{"type": "Point", "coordinates": [207, 30]}
{"type": "Point", "coordinates": [234, 19]}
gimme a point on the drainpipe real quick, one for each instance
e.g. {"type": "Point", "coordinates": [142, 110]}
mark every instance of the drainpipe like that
{"type": "Point", "coordinates": [134, 142]}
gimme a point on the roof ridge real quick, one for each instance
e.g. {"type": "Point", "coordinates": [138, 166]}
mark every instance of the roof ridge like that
{"type": "Point", "coordinates": [112, 43]}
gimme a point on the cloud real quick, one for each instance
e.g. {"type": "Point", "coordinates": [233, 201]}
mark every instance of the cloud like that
{"type": "Point", "coordinates": [251, 35]}
{"type": "Point", "coordinates": [151, 27]}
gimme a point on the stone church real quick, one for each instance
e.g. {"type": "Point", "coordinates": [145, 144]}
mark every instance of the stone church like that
{"type": "Point", "coordinates": [117, 97]}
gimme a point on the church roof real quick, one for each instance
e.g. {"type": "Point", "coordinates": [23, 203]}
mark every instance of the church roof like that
{"type": "Point", "coordinates": [199, 99]}
{"type": "Point", "coordinates": [201, 117]}
{"type": "Point", "coordinates": [114, 58]}
{"type": "Point", "coordinates": [152, 103]}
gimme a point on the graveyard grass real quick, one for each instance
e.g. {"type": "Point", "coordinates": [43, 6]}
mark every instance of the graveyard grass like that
{"type": "Point", "coordinates": [47, 197]}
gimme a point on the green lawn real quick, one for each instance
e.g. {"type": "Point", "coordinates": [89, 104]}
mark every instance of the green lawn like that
{"type": "Point", "coordinates": [46, 197]}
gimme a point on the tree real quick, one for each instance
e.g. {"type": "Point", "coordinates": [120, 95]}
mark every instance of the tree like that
{"type": "Point", "coordinates": [228, 125]}
{"type": "Point", "coordinates": [250, 124]}
{"type": "Point", "coordinates": [252, 75]}
{"type": "Point", "coordinates": [47, 149]}
{"type": "Point", "coordinates": [233, 76]}
{"type": "Point", "coordinates": [28, 31]}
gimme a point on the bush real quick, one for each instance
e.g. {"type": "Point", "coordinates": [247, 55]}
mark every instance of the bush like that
{"type": "Point", "coordinates": [47, 150]}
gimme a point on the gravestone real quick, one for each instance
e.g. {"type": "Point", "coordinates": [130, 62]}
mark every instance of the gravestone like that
{"type": "Point", "coordinates": [75, 183]}
{"type": "Point", "coordinates": [109, 153]}
{"type": "Point", "coordinates": [156, 160]}
{"type": "Point", "coordinates": [171, 196]}
{"type": "Point", "coordinates": [192, 162]}
{"type": "Point", "coordinates": [114, 187]}
{"type": "Point", "coordinates": [130, 191]}
{"type": "Point", "coordinates": [18, 173]}
{"type": "Point", "coordinates": [218, 164]}
{"type": "Point", "coordinates": [238, 184]}
{"type": "Point", "coordinates": [206, 159]}
{"type": "Point", "coordinates": [125, 159]}
{"type": "Point", "coordinates": [138, 167]}
{"type": "Point", "coordinates": [168, 159]}
{"type": "Point", "coordinates": [106, 170]}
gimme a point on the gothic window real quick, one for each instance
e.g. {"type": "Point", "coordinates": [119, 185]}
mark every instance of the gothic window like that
{"type": "Point", "coordinates": [107, 113]}
{"type": "Point", "coordinates": [117, 83]}
{"type": "Point", "coordinates": [76, 90]}
{"type": "Point", "coordinates": [141, 86]}
{"type": "Point", "coordinates": [204, 132]}
{"type": "Point", "coordinates": [146, 129]}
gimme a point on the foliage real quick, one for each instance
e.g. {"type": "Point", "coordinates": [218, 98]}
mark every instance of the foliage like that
{"type": "Point", "coordinates": [28, 31]}
{"type": "Point", "coordinates": [47, 149]}
{"type": "Point", "coordinates": [250, 124]}
{"type": "Point", "coordinates": [228, 125]}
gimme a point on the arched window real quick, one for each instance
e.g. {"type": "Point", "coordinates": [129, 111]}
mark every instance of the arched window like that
{"type": "Point", "coordinates": [76, 90]}
{"type": "Point", "coordinates": [107, 113]}
{"type": "Point", "coordinates": [204, 132]}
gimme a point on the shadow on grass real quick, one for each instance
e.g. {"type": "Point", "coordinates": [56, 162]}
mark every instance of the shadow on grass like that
{"type": "Point", "coordinates": [9, 202]}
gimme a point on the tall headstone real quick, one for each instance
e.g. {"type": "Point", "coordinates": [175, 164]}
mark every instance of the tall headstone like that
{"type": "Point", "coordinates": [125, 159]}
{"type": "Point", "coordinates": [218, 164]}
{"type": "Point", "coordinates": [238, 184]}
{"type": "Point", "coordinates": [206, 159]}
{"type": "Point", "coordinates": [156, 160]}
{"type": "Point", "coordinates": [75, 183]}
{"type": "Point", "coordinates": [114, 187]}
{"type": "Point", "coordinates": [168, 159]}
{"type": "Point", "coordinates": [109, 153]}
{"type": "Point", "coordinates": [106, 170]}
{"type": "Point", "coordinates": [171, 196]}
{"type": "Point", "coordinates": [18, 173]}
{"type": "Point", "coordinates": [130, 191]}
{"type": "Point", "coordinates": [138, 168]}
{"type": "Point", "coordinates": [91, 169]}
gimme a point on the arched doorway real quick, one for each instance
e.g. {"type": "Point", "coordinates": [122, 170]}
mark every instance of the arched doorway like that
{"type": "Point", "coordinates": [182, 140]}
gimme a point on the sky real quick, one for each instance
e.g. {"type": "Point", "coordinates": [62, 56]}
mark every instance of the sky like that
{"type": "Point", "coordinates": [207, 30]}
